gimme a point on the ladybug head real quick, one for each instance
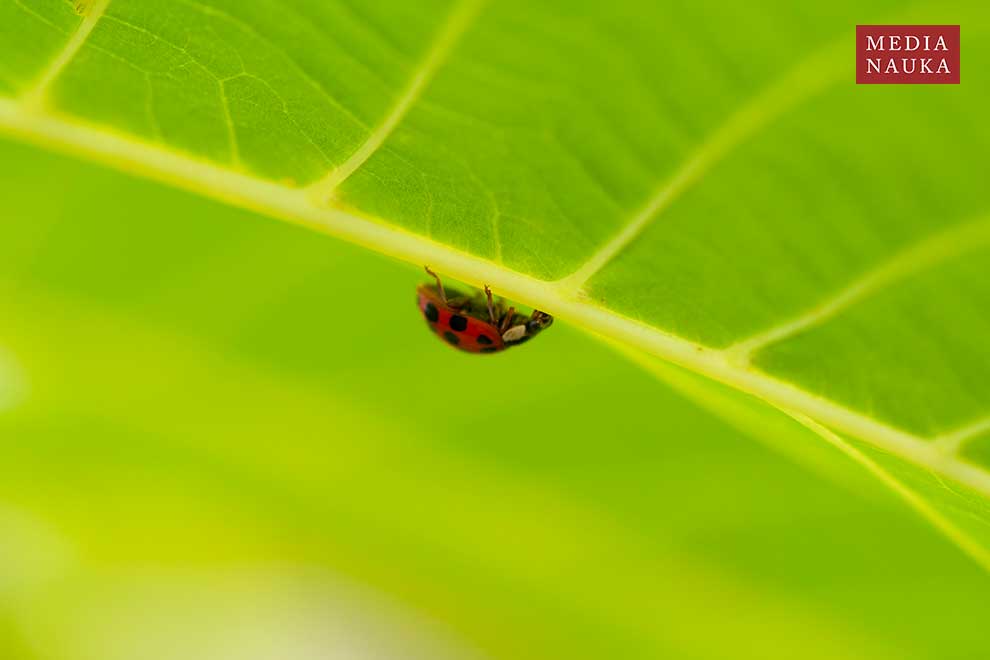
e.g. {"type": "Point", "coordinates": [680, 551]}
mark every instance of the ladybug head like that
{"type": "Point", "coordinates": [537, 322]}
{"type": "Point", "coordinates": [523, 332]}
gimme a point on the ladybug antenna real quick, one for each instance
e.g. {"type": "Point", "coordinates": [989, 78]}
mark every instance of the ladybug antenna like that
{"type": "Point", "coordinates": [443, 294]}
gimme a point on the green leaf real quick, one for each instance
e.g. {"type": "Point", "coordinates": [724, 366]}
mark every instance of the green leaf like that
{"type": "Point", "coordinates": [221, 425]}
{"type": "Point", "coordinates": [701, 182]}
{"type": "Point", "coordinates": [962, 515]}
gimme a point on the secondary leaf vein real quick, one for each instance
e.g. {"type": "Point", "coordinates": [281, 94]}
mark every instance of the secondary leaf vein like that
{"type": "Point", "coordinates": [207, 10]}
{"type": "Point", "coordinates": [931, 251]}
{"type": "Point", "coordinates": [810, 77]}
{"type": "Point", "coordinates": [954, 441]}
{"type": "Point", "coordinates": [140, 157]}
{"type": "Point", "coordinates": [450, 33]}
{"type": "Point", "coordinates": [35, 97]}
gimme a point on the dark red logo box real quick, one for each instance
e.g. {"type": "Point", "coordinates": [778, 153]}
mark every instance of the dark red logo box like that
{"type": "Point", "coordinates": [907, 54]}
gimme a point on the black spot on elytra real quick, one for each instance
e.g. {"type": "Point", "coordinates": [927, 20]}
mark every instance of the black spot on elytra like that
{"type": "Point", "coordinates": [485, 339]}
{"type": "Point", "coordinates": [431, 313]}
{"type": "Point", "coordinates": [458, 323]}
{"type": "Point", "coordinates": [451, 338]}
{"type": "Point", "coordinates": [490, 349]}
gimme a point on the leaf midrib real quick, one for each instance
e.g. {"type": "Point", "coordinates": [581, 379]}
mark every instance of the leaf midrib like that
{"type": "Point", "coordinates": [295, 205]}
{"type": "Point", "coordinates": [715, 402]}
{"type": "Point", "coordinates": [315, 208]}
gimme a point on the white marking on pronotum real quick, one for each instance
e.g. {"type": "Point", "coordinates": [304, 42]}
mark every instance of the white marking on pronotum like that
{"type": "Point", "coordinates": [514, 333]}
{"type": "Point", "coordinates": [139, 157]}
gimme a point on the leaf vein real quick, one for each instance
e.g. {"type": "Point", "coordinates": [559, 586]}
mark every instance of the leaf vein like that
{"type": "Point", "coordinates": [933, 250]}
{"type": "Point", "coordinates": [235, 150]}
{"type": "Point", "coordinates": [955, 441]}
{"type": "Point", "coordinates": [36, 97]}
{"type": "Point", "coordinates": [294, 205]}
{"type": "Point", "coordinates": [447, 37]}
{"type": "Point", "coordinates": [817, 72]}
{"type": "Point", "coordinates": [249, 30]}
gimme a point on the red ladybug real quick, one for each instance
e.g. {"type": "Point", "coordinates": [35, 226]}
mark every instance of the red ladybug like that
{"type": "Point", "coordinates": [476, 324]}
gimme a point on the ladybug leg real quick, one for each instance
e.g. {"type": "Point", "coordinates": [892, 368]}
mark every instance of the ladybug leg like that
{"type": "Point", "coordinates": [491, 310]}
{"type": "Point", "coordinates": [443, 294]}
{"type": "Point", "coordinates": [506, 320]}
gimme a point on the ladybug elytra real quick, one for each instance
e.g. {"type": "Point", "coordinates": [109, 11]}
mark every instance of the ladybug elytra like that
{"type": "Point", "coordinates": [476, 324]}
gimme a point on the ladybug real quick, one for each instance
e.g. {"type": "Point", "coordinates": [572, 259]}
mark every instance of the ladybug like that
{"type": "Point", "coordinates": [476, 324]}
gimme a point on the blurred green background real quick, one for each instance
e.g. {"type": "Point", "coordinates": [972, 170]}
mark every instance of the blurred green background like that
{"type": "Point", "coordinates": [226, 437]}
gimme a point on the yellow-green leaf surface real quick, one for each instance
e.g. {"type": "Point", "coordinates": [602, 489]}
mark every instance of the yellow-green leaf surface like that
{"type": "Point", "coordinates": [223, 438]}
{"type": "Point", "coordinates": [700, 182]}
{"type": "Point", "coordinates": [659, 174]}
